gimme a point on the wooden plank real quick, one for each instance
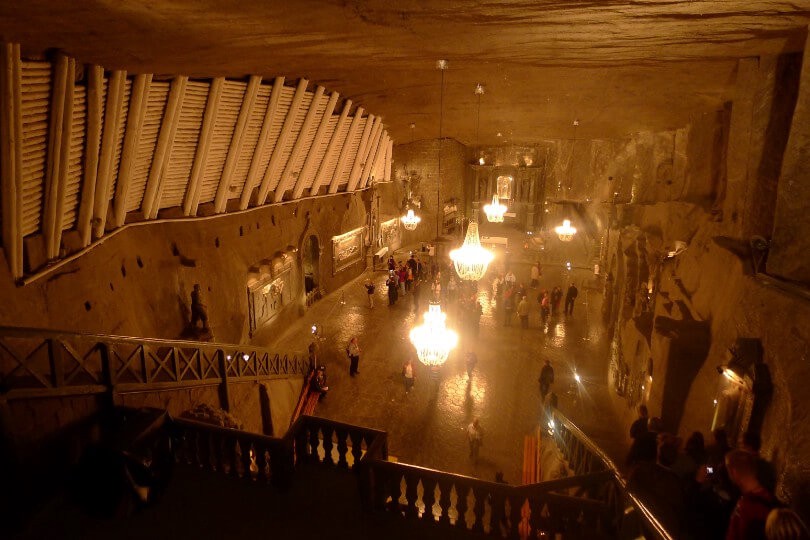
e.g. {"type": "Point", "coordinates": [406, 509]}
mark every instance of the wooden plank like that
{"type": "Point", "coordinates": [372, 125]}
{"type": "Point", "coordinates": [137, 112]}
{"type": "Point", "coordinates": [264, 188]}
{"type": "Point", "coordinates": [253, 171]}
{"type": "Point", "coordinates": [168, 127]}
{"type": "Point", "coordinates": [285, 180]}
{"type": "Point", "coordinates": [344, 152]}
{"type": "Point", "coordinates": [95, 112]}
{"type": "Point", "coordinates": [309, 162]}
{"type": "Point", "coordinates": [376, 159]}
{"type": "Point", "coordinates": [192, 199]}
{"type": "Point", "coordinates": [330, 149]}
{"type": "Point", "coordinates": [369, 161]}
{"type": "Point", "coordinates": [109, 139]}
{"type": "Point", "coordinates": [389, 154]}
{"type": "Point", "coordinates": [58, 153]}
{"type": "Point", "coordinates": [235, 148]}
{"type": "Point", "coordinates": [11, 156]}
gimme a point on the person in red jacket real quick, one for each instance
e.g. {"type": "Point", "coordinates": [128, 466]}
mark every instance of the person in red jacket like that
{"type": "Point", "coordinates": [752, 509]}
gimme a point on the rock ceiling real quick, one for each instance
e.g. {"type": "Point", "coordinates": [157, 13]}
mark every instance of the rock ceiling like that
{"type": "Point", "coordinates": [617, 66]}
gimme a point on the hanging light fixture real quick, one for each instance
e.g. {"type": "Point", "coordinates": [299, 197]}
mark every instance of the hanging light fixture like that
{"type": "Point", "coordinates": [410, 220]}
{"type": "Point", "coordinates": [479, 91]}
{"type": "Point", "coordinates": [471, 259]}
{"type": "Point", "coordinates": [565, 231]}
{"type": "Point", "coordinates": [441, 65]}
{"type": "Point", "coordinates": [432, 339]}
{"type": "Point", "coordinates": [495, 210]}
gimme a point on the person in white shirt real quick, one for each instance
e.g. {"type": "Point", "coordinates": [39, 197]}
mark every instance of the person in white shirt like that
{"type": "Point", "coordinates": [475, 435]}
{"type": "Point", "coordinates": [353, 350]}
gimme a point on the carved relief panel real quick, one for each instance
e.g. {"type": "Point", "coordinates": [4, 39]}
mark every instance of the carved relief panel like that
{"type": "Point", "coordinates": [270, 293]}
{"type": "Point", "coordinates": [347, 249]}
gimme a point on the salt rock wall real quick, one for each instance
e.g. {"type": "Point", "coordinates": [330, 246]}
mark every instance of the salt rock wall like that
{"type": "Point", "coordinates": [138, 281]}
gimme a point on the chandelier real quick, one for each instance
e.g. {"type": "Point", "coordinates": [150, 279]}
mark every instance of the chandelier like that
{"type": "Point", "coordinates": [565, 231]}
{"type": "Point", "coordinates": [495, 211]}
{"type": "Point", "coordinates": [471, 259]}
{"type": "Point", "coordinates": [432, 339]}
{"type": "Point", "coordinates": [410, 220]}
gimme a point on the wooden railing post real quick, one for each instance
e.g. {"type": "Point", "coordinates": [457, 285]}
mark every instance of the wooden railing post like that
{"type": "Point", "coordinates": [224, 392]}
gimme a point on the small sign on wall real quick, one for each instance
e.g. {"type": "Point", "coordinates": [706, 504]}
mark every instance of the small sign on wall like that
{"type": "Point", "coordinates": [347, 249]}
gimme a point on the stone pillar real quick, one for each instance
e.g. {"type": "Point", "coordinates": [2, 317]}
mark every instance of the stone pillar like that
{"type": "Point", "coordinates": [789, 256]}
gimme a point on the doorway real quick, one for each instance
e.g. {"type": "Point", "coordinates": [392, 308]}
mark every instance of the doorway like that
{"type": "Point", "coordinates": [312, 264]}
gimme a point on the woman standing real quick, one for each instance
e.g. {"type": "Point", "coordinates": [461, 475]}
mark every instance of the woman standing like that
{"type": "Point", "coordinates": [408, 375]}
{"type": "Point", "coordinates": [353, 351]}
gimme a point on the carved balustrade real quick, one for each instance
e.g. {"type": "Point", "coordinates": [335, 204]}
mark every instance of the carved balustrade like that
{"type": "Point", "coordinates": [35, 362]}
{"type": "Point", "coordinates": [318, 440]}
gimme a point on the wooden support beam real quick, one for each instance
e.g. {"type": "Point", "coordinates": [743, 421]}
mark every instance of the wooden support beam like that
{"type": "Point", "coordinates": [58, 153]}
{"type": "Point", "coordinates": [137, 113]}
{"type": "Point", "coordinates": [362, 151]}
{"type": "Point", "coordinates": [375, 158]}
{"type": "Point", "coordinates": [11, 156]}
{"type": "Point", "coordinates": [116, 88]}
{"type": "Point", "coordinates": [389, 159]}
{"type": "Point", "coordinates": [330, 149]}
{"type": "Point", "coordinates": [163, 149]}
{"type": "Point", "coordinates": [309, 162]}
{"type": "Point", "coordinates": [92, 147]}
{"type": "Point", "coordinates": [286, 129]}
{"type": "Point", "coordinates": [255, 162]}
{"type": "Point", "coordinates": [192, 198]}
{"type": "Point", "coordinates": [286, 176]}
{"type": "Point", "coordinates": [249, 100]}
{"type": "Point", "coordinates": [342, 161]}
{"type": "Point", "coordinates": [368, 162]}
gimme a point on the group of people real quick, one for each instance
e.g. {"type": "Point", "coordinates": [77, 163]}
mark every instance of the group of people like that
{"type": "Point", "coordinates": [514, 297]}
{"type": "Point", "coordinates": [707, 491]}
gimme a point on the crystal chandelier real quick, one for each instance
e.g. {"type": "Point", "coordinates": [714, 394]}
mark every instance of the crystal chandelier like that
{"type": "Point", "coordinates": [495, 211]}
{"type": "Point", "coordinates": [565, 231]}
{"type": "Point", "coordinates": [432, 339]}
{"type": "Point", "coordinates": [410, 220]}
{"type": "Point", "coordinates": [471, 259]}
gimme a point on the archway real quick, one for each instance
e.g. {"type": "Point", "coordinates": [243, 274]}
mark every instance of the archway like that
{"type": "Point", "coordinates": [311, 263]}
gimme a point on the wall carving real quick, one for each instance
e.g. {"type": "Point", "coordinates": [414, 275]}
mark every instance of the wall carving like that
{"type": "Point", "coordinates": [270, 293]}
{"type": "Point", "coordinates": [389, 233]}
{"type": "Point", "coordinates": [347, 249]}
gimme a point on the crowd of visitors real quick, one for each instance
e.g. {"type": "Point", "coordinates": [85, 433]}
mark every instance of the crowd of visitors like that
{"type": "Point", "coordinates": [700, 491]}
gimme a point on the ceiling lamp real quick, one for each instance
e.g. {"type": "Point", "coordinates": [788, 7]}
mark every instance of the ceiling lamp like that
{"type": "Point", "coordinates": [432, 339]}
{"type": "Point", "coordinates": [495, 211]}
{"type": "Point", "coordinates": [565, 231]}
{"type": "Point", "coordinates": [479, 91]}
{"type": "Point", "coordinates": [441, 65]}
{"type": "Point", "coordinates": [471, 259]}
{"type": "Point", "coordinates": [410, 220]}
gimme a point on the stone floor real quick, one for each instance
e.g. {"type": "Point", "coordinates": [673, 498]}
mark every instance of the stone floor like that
{"type": "Point", "coordinates": [427, 427]}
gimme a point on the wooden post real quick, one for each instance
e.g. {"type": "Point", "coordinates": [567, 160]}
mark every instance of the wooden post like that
{"type": "Point", "coordinates": [286, 129]}
{"type": "Point", "coordinates": [362, 150]}
{"type": "Point", "coordinates": [331, 149]}
{"type": "Point", "coordinates": [11, 156]}
{"type": "Point", "coordinates": [285, 180]}
{"type": "Point", "coordinates": [235, 148]}
{"type": "Point", "coordinates": [343, 158]}
{"type": "Point", "coordinates": [389, 155]}
{"type": "Point", "coordinates": [192, 198]}
{"type": "Point", "coordinates": [163, 148]}
{"type": "Point", "coordinates": [109, 141]}
{"type": "Point", "coordinates": [135, 118]}
{"type": "Point", "coordinates": [264, 135]}
{"type": "Point", "coordinates": [224, 394]}
{"type": "Point", "coordinates": [92, 145]}
{"type": "Point", "coordinates": [371, 152]}
{"type": "Point", "coordinates": [374, 157]}
{"type": "Point", "coordinates": [309, 162]}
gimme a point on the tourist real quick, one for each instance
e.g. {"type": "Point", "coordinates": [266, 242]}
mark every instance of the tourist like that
{"type": "Point", "coordinates": [570, 298]}
{"type": "Point", "coordinates": [510, 278]}
{"type": "Point", "coordinates": [470, 360]}
{"type": "Point", "coordinates": [785, 524]}
{"type": "Point", "coordinates": [392, 265]}
{"type": "Point", "coordinates": [408, 376]}
{"type": "Point", "coordinates": [556, 298]}
{"type": "Point", "coordinates": [639, 426]}
{"type": "Point", "coordinates": [544, 302]}
{"type": "Point", "coordinates": [353, 351]}
{"type": "Point", "coordinates": [508, 305]}
{"type": "Point", "coordinates": [475, 436]}
{"type": "Point", "coordinates": [546, 379]}
{"type": "Point", "coordinates": [392, 283]}
{"type": "Point", "coordinates": [402, 276]}
{"type": "Point", "coordinates": [659, 487]}
{"type": "Point", "coordinates": [766, 473]}
{"type": "Point", "coordinates": [645, 446]}
{"type": "Point", "coordinates": [436, 289]}
{"type": "Point", "coordinates": [497, 282]}
{"type": "Point", "coordinates": [755, 502]}
{"type": "Point", "coordinates": [318, 383]}
{"type": "Point", "coordinates": [523, 312]}
{"type": "Point", "coordinates": [535, 276]}
{"type": "Point", "coordinates": [369, 285]}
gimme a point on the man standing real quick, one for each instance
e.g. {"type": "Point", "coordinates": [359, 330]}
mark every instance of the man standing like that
{"type": "Point", "coordinates": [546, 379]}
{"type": "Point", "coordinates": [369, 285]}
{"type": "Point", "coordinates": [748, 519]}
{"type": "Point", "coordinates": [639, 427]}
{"type": "Point", "coordinates": [570, 297]}
{"type": "Point", "coordinates": [475, 436]}
{"type": "Point", "coordinates": [523, 312]}
{"type": "Point", "coordinates": [353, 350]}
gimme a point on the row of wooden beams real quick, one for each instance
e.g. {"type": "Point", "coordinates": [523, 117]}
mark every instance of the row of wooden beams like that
{"type": "Point", "coordinates": [340, 166]}
{"type": "Point", "coordinates": [368, 158]}
{"type": "Point", "coordinates": [11, 135]}
{"type": "Point", "coordinates": [58, 153]}
{"type": "Point", "coordinates": [275, 159]}
{"type": "Point", "coordinates": [286, 175]}
{"type": "Point", "coordinates": [309, 162]}
{"type": "Point", "coordinates": [264, 139]}
{"type": "Point", "coordinates": [194, 187]}
{"type": "Point", "coordinates": [331, 148]}
{"type": "Point", "coordinates": [92, 147]}
{"type": "Point", "coordinates": [137, 112]}
{"type": "Point", "coordinates": [235, 148]}
{"type": "Point", "coordinates": [160, 159]}
{"type": "Point", "coordinates": [375, 157]}
{"type": "Point", "coordinates": [354, 174]}
{"type": "Point", "coordinates": [116, 90]}
{"type": "Point", "coordinates": [389, 154]}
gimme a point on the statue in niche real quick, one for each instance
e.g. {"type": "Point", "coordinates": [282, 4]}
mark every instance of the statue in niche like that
{"type": "Point", "coordinates": [199, 314]}
{"type": "Point", "coordinates": [412, 183]}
